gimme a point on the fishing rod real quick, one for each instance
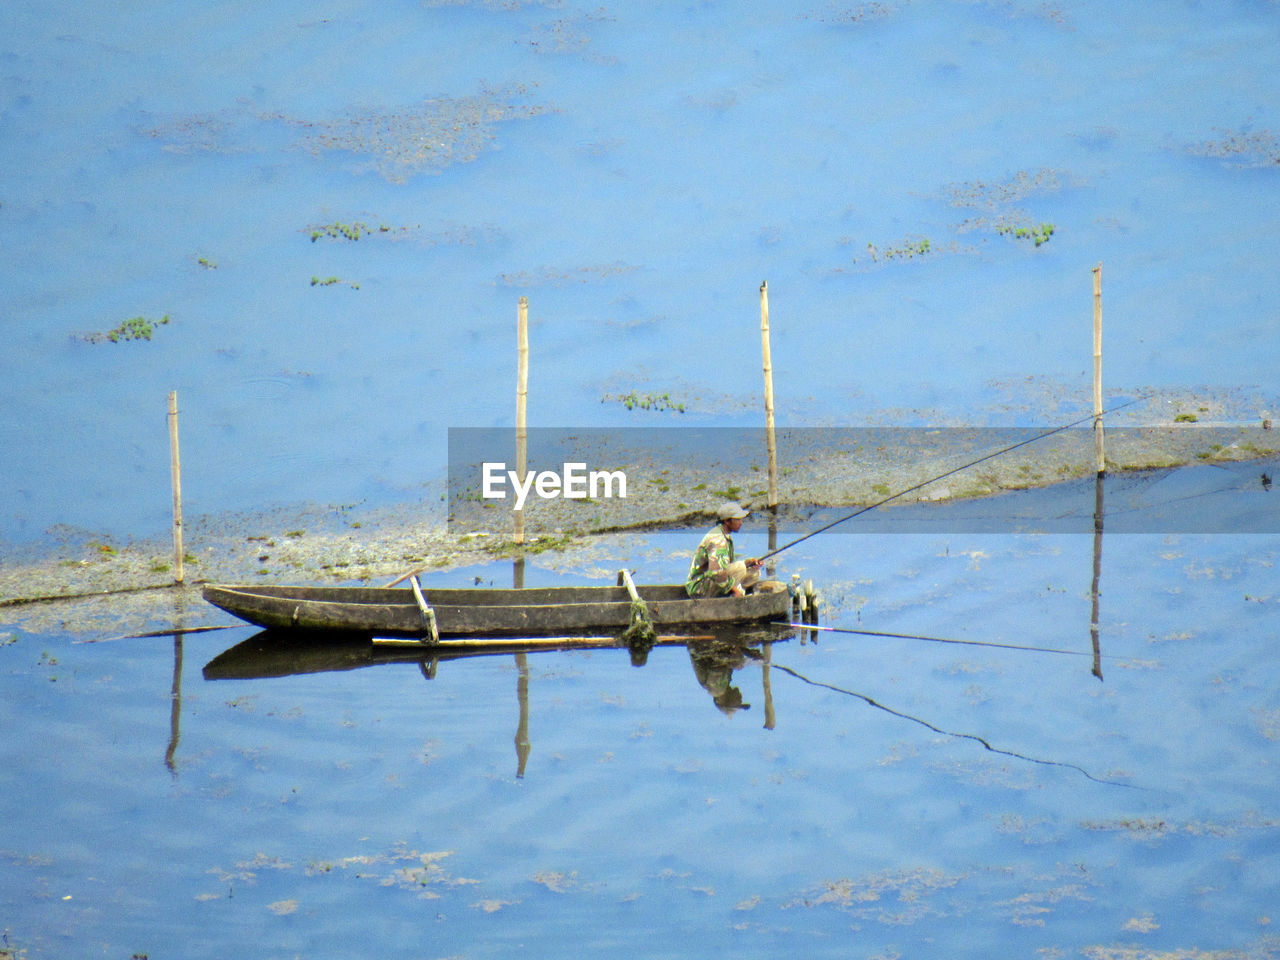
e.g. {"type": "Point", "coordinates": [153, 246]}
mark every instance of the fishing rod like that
{"type": "Point", "coordinates": [943, 476]}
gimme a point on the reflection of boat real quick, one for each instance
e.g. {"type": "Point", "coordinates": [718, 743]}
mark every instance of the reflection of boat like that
{"type": "Point", "coordinates": [276, 653]}
{"type": "Point", "coordinates": [483, 612]}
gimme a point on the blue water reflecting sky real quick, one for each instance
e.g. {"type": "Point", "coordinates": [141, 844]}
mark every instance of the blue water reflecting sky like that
{"type": "Point", "coordinates": [875, 795]}
{"type": "Point", "coordinates": [637, 171]}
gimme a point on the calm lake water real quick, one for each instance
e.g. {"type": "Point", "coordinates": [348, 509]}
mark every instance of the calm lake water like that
{"type": "Point", "coordinates": [873, 795]}
{"type": "Point", "coordinates": [323, 217]}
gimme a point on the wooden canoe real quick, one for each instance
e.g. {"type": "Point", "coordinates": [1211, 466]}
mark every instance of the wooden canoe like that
{"type": "Point", "coordinates": [483, 612]}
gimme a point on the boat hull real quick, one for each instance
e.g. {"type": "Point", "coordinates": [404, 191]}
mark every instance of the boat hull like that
{"type": "Point", "coordinates": [482, 612]}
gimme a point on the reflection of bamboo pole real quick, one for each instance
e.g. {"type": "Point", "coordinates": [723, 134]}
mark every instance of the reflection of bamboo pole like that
{"type": "Point", "coordinates": [175, 472]}
{"type": "Point", "coordinates": [175, 690]}
{"type": "Point", "coordinates": [1097, 576]}
{"type": "Point", "coordinates": [1097, 370]}
{"type": "Point", "coordinates": [175, 708]}
{"type": "Point", "coordinates": [768, 395]}
{"type": "Point", "coordinates": [522, 401]}
{"type": "Point", "coordinates": [770, 717]}
{"type": "Point", "coordinates": [522, 684]}
{"type": "Point", "coordinates": [523, 747]}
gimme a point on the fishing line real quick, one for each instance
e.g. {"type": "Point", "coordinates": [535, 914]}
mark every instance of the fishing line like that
{"type": "Point", "coordinates": [948, 733]}
{"type": "Point", "coordinates": [942, 476]}
{"type": "Point", "coordinates": [171, 632]}
{"type": "Point", "coordinates": [914, 636]}
{"type": "Point", "coordinates": [1146, 483]}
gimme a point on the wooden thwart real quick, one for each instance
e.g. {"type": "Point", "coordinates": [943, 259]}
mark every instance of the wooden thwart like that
{"type": "Point", "coordinates": [428, 615]}
{"type": "Point", "coordinates": [624, 580]}
{"type": "Point", "coordinates": [640, 632]}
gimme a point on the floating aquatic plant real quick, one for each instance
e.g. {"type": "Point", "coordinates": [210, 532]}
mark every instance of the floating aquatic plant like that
{"type": "Point", "coordinates": [340, 231]}
{"type": "Point", "coordinates": [135, 328]}
{"type": "Point", "coordinates": [356, 230]}
{"type": "Point", "coordinates": [647, 401]}
{"type": "Point", "coordinates": [536, 545]}
{"type": "Point", "coordinates": [906, 250]}
{"type": "Point", "coordinates": [1040, 235]}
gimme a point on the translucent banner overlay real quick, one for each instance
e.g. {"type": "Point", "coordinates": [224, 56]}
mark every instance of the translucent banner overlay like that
{"type": "Point", "coordinates": [1180, 478]}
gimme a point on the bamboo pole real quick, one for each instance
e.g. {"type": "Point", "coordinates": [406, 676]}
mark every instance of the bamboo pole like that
{"type": "Point", "coordinates": [175, 472]}
{"type": "Point", "coordinates": [768, 396]}
{"type": "Point", "coordinates": [522, 402]}
{"type": "Point", "coordinates": [1100, 451]}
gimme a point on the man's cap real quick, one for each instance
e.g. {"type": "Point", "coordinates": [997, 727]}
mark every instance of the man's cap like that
{"type": "Point", "coordinates": [732, 511]}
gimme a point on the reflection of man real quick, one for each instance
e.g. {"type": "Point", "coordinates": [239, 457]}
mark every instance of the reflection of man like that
{"type": "Point", "coordinates": [714, 572]}
{"type": "Point", "coordinates": [713, 665]}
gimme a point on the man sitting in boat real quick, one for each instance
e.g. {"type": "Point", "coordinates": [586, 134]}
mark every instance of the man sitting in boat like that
{"type": "Point", "coordinates": [714, 572]}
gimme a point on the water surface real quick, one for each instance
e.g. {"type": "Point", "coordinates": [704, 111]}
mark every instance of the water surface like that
{"type": "Point", "coordinates": [637, 171]}
{"type": "Point", "coordinates": [860, 794]}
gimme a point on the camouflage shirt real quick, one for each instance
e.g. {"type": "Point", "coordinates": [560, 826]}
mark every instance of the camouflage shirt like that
{"type": "Point", "coordinates": [709, 575]}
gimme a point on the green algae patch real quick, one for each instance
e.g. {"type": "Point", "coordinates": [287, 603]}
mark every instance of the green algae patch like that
{"type": "Point", "coordinates": [645, 401]}
{"type": "Point", "coordinates": [340, 231]}
{"type": "Point", "coordinates": [1038, 235]}
{"type": "Point", "coordinates": [135, 328]}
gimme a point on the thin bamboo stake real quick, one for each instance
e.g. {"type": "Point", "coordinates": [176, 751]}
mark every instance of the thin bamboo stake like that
{"type": "Point", "coordinates": [768, 395]}
{"type": "Point", "coordinates": [522, 402]}
{"type": "Point", "coordinates": [1100, 451]}
{"type": "Point", "coordinates": [175, 471]}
